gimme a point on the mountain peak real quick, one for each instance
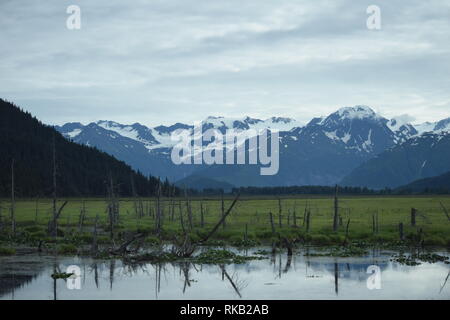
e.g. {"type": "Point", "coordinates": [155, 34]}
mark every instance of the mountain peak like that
{"type": "Point", "coordinates": [357, 112]}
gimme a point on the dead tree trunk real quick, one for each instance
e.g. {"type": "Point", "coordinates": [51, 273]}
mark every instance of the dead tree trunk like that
{"type": "Point", "coordinates": [53, 224]}
{"type": "Point", "coordinates": [346, 232]}
{"type": "Point", "coordinates": [400, 231]}
{"type": "Point", "coordinates": [55, 227]}
{"type": "Point", "coordinates": [373, 223]}
{"type": "Point", "coordinates": [271, 222]}
{"type": "Point", "coordinates": [113, 206]}
{"type": "Point", "coordinates": [94, 247]}
{"type": "Point", "coordinates": [445, 210]}
{"type": "Point", "coordinates": [202, 218]}
{"type": "Point", "coordinates": [222, 219]}
{"type": "Point", "coordinates": [223, 210]}
{"type": "Point", "coordinates": [36, 210]}
{"type": "Point", "coordinates": [158, 224]}
{"type": "Point", "coordinates": [181, 217]}
{"type": "Point", "coordinates": [13, 201]}
{"type": "Point", "coordinates": [82, 216]}
{"type": "Point", "coordinates": [279, 212]}
{"type": "Point", "coordinates": [1, 218]}
{"type": "Point", "coordinates": [336, 211]}
{"type": "Point", "coordinates": [188, 208]}
{"type": "Point", "coordinates": [308, 221]}
{"type": "Point", "coordinates": [294, 216]}
{"type": "Point", "coordinates": [305, 213]}
{"type": "Point", "coordinates": [413, 217]}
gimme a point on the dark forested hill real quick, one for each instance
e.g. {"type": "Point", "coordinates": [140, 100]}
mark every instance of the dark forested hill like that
{"type": "Point", "coordinates": [438, 184]}
{"type": "Point", "coordinates": [81, 170]}
{"type": "Point", "coordinates": [420, 157]}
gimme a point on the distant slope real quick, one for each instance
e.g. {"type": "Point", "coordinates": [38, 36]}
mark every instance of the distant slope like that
{"type": "Point", "coordinates": [436, 184]}
{"type": "Point", "coordinates": [200, 183]}
{"type": "Point", "coordinates": [82, 170]}
{"type": "Point", "coordinates": [420, 157]}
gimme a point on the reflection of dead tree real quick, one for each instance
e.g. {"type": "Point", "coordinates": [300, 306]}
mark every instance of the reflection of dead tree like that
{"type": "Point", "coordinates": [112, 267]}
{"type": "Point", "coordinates": [94, 267]}
{"type": "Point", "coordinates": [288, 264]}
{"type": "Point", "coordinates": [183, 247]}
{"type": "Point", "coordinates": [158, 279]}
{"type": "Point", "coordinates": [445, 282]}
{"type": "Point", "coordinates": [185, 269]}
{"type": "Point", "coordinates": [237, 284]}
{"type": "Point", "coordinates": [336, 278]}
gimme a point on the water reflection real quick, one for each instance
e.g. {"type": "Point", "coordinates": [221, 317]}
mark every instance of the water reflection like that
{"type": "Point", "coordinates": [280, 276]}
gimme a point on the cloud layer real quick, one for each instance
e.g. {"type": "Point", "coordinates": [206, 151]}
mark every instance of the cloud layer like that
{"type": "Point", "coordinates": [164, 60]}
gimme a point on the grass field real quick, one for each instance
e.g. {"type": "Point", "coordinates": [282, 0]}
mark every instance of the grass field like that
{"type": "Point", "coordinates": [252, 214]}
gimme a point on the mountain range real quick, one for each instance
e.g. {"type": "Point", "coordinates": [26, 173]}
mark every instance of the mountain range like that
{"type": "Point", "coordinates": [353, 146]}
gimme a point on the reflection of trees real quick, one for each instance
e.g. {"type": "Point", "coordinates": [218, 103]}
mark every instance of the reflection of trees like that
{"type": "Point", "coordinates": [336, 278]}
{"type": "Point", "coordinates": [445, 282]}
{"type": "Point", "coordinates": [237, 284]}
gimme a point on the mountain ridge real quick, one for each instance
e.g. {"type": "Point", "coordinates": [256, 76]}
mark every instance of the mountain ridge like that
{"type": "Point", "coordinates": [347, 137]}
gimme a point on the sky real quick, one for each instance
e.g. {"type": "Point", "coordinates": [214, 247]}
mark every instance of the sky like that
{"type": "Point", "coordinates": [166, 61]}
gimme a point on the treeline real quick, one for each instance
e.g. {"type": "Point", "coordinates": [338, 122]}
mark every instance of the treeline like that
{"type": "Point", "coordinates": [30, 149]}
{"type": "Point", "coordinates": [293, 190]}
{"type": "Point", "coordinates": [319, 190]}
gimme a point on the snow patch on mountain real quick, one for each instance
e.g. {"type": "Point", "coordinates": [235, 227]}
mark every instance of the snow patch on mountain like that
{"type": "Point", "coordinates": [72, 134]}
{"type": "Point", "coordinates": [357, 112]}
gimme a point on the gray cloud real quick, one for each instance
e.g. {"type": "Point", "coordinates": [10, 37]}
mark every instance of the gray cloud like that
{"type": "Point", "coordinates": [164, 60]}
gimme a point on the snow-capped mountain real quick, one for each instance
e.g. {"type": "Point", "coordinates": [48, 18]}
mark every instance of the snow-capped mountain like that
{"type": "Point", "coordinates": [321, 152]}
{"type": "Point", "coordinates": [420, 157]}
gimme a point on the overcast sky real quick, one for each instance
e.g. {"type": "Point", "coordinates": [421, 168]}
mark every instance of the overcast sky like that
{"type": "Point", "coordinates": [162, 61]}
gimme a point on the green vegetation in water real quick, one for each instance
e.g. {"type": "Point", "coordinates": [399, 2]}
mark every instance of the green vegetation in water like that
{"type": "Point", "coordinates": [149, 257]}
{"type": "Point", "coordinates": [210, 256]}
{"type": "Point", "coordinates": [262, 252]}
{"type": "Point", "coordinates": [417, 259]}
{"type": "Point", "coordinates": [343, 251]}
{"type": "Point", "coordinates": [4, 251]}
{"type": "Point", "coordinates": [61, 275]}
{"type": "Point", "coordinates": [216, 256]}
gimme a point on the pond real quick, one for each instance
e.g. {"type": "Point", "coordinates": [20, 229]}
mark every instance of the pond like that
{"type": "Point", "coordinates": [373, 276]}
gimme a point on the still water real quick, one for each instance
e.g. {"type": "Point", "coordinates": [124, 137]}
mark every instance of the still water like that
{"type": "Point", "coordinates": [370, 277]}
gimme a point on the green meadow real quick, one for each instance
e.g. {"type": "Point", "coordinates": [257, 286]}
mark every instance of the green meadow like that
{"type": "Point", "coordinates": [369, 218]}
